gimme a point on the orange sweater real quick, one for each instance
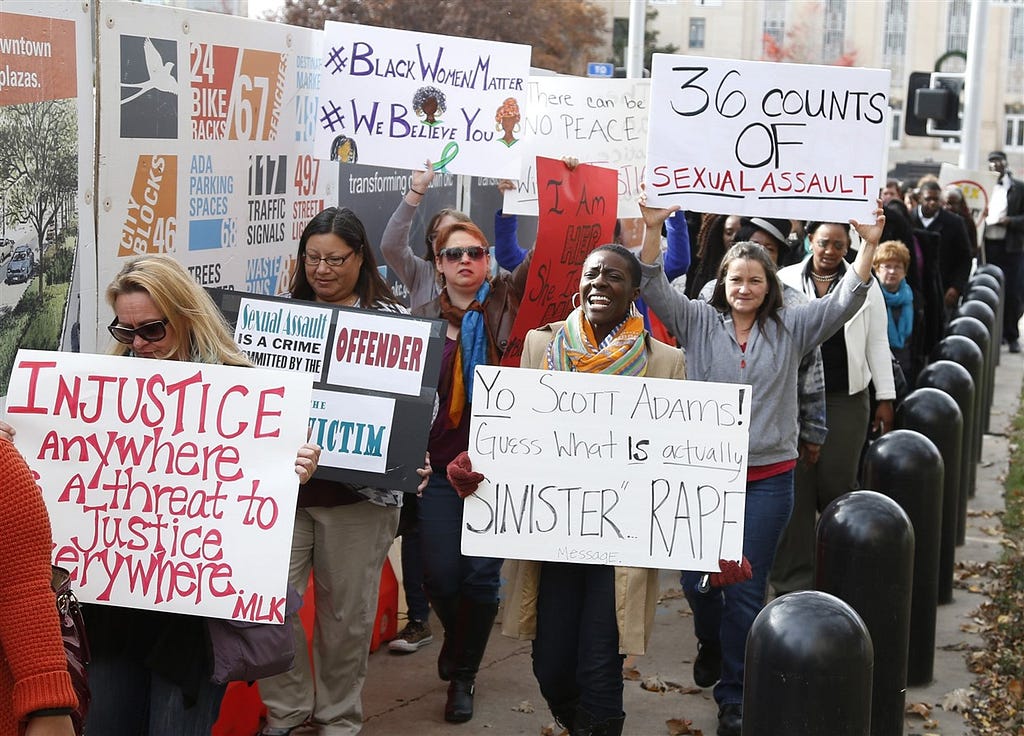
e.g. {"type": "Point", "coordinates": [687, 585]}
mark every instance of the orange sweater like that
{"type": "Point", "coordinates": [33, 666]}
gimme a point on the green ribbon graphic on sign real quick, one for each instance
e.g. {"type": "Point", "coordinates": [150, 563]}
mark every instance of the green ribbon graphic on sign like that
{"type": "Point", "coordinates": [447, 156]}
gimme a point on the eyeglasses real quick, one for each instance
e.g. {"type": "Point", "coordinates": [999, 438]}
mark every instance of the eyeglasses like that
{"type": "Point", "coordinates": [454, 255]}
{"type": "Point", "coordinates": [150, 332]}
{"type": "Point", "coordinates": [332, 261]}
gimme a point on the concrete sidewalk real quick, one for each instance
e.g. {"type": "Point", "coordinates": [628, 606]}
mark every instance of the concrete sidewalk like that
{"type": "Point", "coordinates": [404, 695]}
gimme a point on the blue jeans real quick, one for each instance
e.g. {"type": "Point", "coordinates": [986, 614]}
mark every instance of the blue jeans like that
{"type": "Point", "coordinates": [446, 571]}
{"type": "Point", "coordinates": [412, 564]}
{"type": "Point", "coordinates": [129, 699]}
{"type": "Point", "coordinates": [726, 614]}
{"type": "Point", "coordinates": [576, 649]}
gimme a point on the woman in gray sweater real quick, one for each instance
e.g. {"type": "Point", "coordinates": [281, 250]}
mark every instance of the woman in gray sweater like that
{"type": "Point", "coordinates": [743, 335]}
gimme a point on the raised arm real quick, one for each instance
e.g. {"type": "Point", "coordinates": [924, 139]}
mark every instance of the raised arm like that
{"type": "Point", "coordinates": [870, 234]}
{"type": "Point", "coordinates": [410, 268]}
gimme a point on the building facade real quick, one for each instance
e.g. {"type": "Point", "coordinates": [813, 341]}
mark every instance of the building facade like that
{"type": "Point", "coordinates": [901, 35]}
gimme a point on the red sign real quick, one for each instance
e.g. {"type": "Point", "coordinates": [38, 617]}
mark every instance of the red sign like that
{"type": "Point", "coordinates": [577, 214]}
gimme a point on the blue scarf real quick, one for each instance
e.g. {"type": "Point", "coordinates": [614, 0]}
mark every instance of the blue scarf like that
{"type": "Point", "coordinates": [902, 299]}
{"type": "Point", "coordinates": [474, 337]}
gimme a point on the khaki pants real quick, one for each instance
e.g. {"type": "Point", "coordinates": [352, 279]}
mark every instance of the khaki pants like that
{"type": "Point", "coordinates": [345, 547]}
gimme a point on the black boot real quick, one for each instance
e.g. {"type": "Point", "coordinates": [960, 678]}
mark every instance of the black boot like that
{"type": "Point", "coordinates": [446, 609]}
{"type": "Point", "coordinates": [565, 713]}
{"type": "Point", "coordinates": [586, 725]}
{"type": "Point", "coordinates": [473, 626]}
{"type": "Point", "coordinates": [707, 667]}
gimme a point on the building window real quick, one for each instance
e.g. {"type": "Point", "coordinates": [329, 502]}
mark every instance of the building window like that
{"type": "Point", "coordinates": [896, 121]}
{"type": "Point", "coordinates": [894, 38]}
{"type": "Point", "coordinates": [1015, 68]}
{"type": "Point", "coordinates": [1014, 138]}
{"type": "Point", "coordinates": [957, 23]}
{"type": "Point", "coordinates": [697, 26]}
{"type": "Point", "coordinates": [774, 25]}
{"type": "Point", "coordinates": [833, 44]}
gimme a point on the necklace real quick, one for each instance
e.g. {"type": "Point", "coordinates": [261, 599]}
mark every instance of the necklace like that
{"type": "Point", "coordinates": [824, 279]}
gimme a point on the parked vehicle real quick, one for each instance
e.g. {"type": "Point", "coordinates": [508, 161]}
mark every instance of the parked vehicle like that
{"type": "Point", "coordinates": [6, 246]}
{"type": "Point", "coordinates": [22, 266]}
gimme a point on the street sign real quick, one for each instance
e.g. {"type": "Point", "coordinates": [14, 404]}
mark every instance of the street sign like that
{"type": "Point", "coordinates": [600, 69]}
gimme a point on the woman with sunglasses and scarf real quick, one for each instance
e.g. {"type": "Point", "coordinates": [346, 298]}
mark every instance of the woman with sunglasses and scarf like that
{"type": "Point", "coordinates": [342, 532]}
{"type": "Point", "coordinates": [150, 670]}
{"type": "Point", "coordinates": [463, 590]}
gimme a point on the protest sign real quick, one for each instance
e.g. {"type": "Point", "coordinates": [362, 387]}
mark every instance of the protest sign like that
{"type": "Point", "coordinates": [762, 138]}
{"type": "Point", "coordinates": [599, 121]}
{"type": "Point", "coordinates": [396, 98]}
{"type": "Point", "coordinates": [597, 468]}
{"type": "Point", "coordinates": [374, 373]}
{"type": "Point", "coordinates": [170, 485]}
{"type": "Point", "coordinates": [976, 185]}
{"type": "Point", "coordinates": [577, 215]}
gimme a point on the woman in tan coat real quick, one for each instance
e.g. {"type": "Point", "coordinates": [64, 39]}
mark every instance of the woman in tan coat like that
{"type": "Point", "coordinates": [584, 618]}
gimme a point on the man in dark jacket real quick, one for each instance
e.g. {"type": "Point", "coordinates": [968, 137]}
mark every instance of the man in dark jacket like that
{"type": "Point", "coordinates": [954, 250]}
{"type": "Point", "coordinates": [1004, 242]}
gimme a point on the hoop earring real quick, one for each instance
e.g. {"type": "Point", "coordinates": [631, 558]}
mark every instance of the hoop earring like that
{"type": "Point", "coordinates": [497, 126]}
{"type": "Point", "coordinates": [517, 128]}
{"type": "Point", "coordinates": [576, 300]}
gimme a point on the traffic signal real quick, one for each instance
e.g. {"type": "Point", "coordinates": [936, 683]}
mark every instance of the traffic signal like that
{"type": "Point", "coordinates": [933, 104]}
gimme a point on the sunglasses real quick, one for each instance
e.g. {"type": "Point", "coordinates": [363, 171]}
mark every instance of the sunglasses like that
{"type": "Point", "coordinates": [150, 332]}
{"type": "Point", "coordinates": [454, 255]}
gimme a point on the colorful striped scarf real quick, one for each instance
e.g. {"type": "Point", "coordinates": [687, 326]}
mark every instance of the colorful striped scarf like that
{"type": "Point", "coordinates": [623, 352]}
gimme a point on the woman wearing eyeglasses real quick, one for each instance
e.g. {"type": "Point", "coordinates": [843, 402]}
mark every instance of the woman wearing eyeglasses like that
{"type": "Point", "coordinates": [342, 531]}
{"type": "Point", "coordinates": [463, 590]}
{"type": "Point", "coordinates": [150, 671]}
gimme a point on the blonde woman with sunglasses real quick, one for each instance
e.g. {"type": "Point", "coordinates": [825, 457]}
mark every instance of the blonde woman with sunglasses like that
{"type": "Point", "coordinates": [150, 670]}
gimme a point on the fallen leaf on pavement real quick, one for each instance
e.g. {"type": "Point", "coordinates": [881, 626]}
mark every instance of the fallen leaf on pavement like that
{"type": "Point", "coordinates": [682, 727]}
{"type": "Point", "coordinates": [956, 700]}
{"type": "Point", "coordinates": [524, 707]}
{"type": "Point", "coordinates": [921, 709]}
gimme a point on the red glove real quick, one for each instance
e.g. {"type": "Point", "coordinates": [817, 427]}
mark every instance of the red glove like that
{"type": "Point", "coordinates": [731, 572]}
{"type": "Point", "coordinates": [462, 476]}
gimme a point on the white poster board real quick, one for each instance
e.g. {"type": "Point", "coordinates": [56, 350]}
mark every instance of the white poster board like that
{"type": "Point", "coordinates": [615, 470]}
{"type": "Point", "coordinates": [762, 138]}
{"type": "Point", "coordinates": [170, 486]}
{"type": "Point", "coordinates": [396, 98]}
{"type": "Point", "coordinates": [599, 121]}
{"type": "Point", "coordinates": [206, 147]}
{"type": "Point", "coordinates": [977, 188]}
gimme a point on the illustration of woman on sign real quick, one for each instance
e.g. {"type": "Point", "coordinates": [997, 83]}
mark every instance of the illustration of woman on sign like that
{"type": "Point", "coordinates": [427, 103]}
{"type": "Point", "coordinates": [507, 119]}
{"type": "Point", "coordinates": [343, 149]}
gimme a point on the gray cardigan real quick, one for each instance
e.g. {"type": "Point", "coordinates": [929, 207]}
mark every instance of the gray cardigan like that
{"type": "Point", "coordinates": [772, 357]}
{"type": "Point", "coordinates": [418, 275]}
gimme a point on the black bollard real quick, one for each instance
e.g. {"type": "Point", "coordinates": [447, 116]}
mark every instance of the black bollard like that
{"type": "Point", "coordinates": [984, 314]}
{"type": "Point", "coordinates": [865, 556]}
{"type": "Point", "coordinates": [808, 669]}
{"type": "Point", "coordinates": [954, 379]}
{"type": "Point", "coordinates": [907, 467]}
{"type": "Point", "coordinates": [996, 284]}
{"type": "Point", "coordinates": [993, 270]}
{"type": "Point", "coordinates": [973, 329]}
{"type": "Point", "coordinates": [962, 350]}
{"type": "Point", "coordinates": [988, 297]}
{"type": "Point", "coordinates": [935, 414]}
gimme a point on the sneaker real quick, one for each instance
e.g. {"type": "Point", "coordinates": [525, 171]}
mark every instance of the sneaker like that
{"type": "Point", "coordinates": [416, 634]}
{"type": "Point", "coordinates": [1014, 346]}
{"type": "Point", "coordinates": [275, 731]}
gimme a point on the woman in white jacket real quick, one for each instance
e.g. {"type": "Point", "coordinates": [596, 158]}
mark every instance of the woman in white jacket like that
{"type": "Point", "coordinates": [854, 357]}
